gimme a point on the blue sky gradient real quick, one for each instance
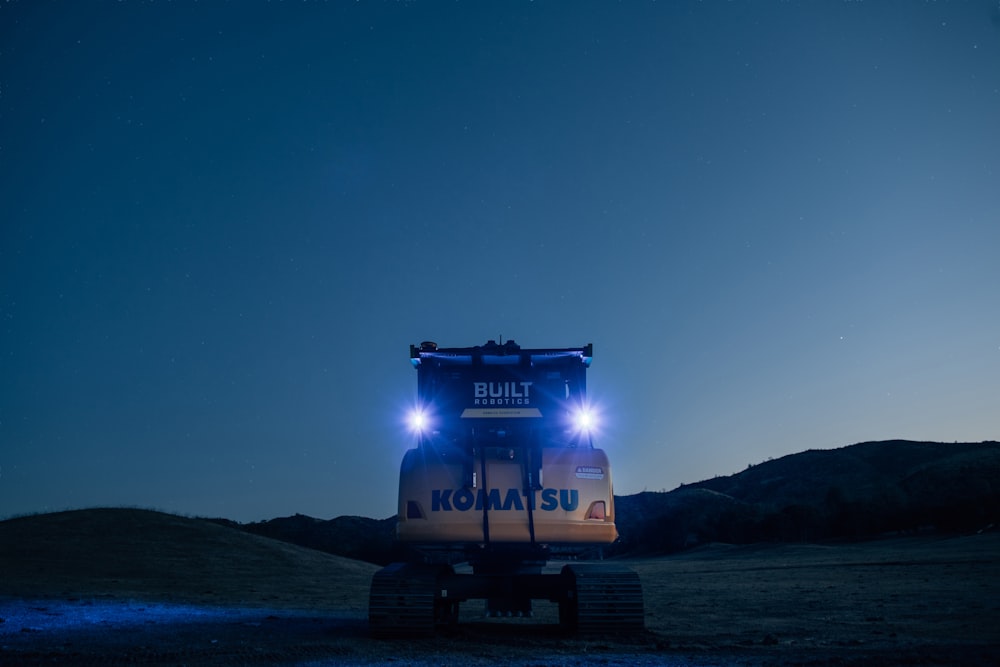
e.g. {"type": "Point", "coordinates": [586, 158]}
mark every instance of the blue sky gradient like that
{"type": "Point", "coordinates": [224, 223]}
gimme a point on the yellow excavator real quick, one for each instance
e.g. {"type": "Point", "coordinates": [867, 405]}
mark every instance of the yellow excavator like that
{"type": "Point", "coordinates": [503, 478]}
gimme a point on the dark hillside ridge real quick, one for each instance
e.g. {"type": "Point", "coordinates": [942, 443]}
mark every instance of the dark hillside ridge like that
{"type": "Point", "coordinates": [857, 492]}
{"type": "Point", "coordinates": [143, 554]}
{"type": "Point", "coordinates": [863, 468]}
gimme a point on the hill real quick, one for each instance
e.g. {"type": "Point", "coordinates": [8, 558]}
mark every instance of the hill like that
{"type": "Point", "coordinates": [856, 492]}
{"type": "Point", "coordinates": [151, 555]}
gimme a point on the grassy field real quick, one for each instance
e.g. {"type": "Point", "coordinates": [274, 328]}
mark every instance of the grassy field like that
{"type": "Point", "coordinates": [133, 586]}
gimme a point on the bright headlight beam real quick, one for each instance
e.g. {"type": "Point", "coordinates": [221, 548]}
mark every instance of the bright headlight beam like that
{"type": "Point", "coordinates": [585, 420]}
{"type": "Point", "coordinates": [418, 420]}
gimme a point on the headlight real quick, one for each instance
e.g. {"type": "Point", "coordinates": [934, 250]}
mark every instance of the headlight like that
{"type": "Point", "coordinates": [585, 420]}
{"type": "Point", "coordinates": [418, 420]}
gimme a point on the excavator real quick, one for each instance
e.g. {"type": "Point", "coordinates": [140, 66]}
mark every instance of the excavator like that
{"type": "Point", "coordinates": [503, 480]}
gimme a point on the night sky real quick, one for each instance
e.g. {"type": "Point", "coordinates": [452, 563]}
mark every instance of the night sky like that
{"type": "Point", "coordinates": [223, 224]}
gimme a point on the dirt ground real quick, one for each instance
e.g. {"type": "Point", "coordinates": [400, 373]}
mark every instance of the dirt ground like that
{"type": "Point", "coordinates": [905, 601]}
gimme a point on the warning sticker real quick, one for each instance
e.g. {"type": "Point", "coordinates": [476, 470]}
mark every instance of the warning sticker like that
{"type": "Point", "coordinates": [589, 472]}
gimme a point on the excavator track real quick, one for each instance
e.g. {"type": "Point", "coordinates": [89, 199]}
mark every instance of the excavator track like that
{"type": "Point", "coordinates": [402, 601]}
{"type": "Point", "coordinates": [602, 598]}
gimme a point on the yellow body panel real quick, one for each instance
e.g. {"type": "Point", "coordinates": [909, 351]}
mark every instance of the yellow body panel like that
{"type": "Point", "coordinates": [438, 505]}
